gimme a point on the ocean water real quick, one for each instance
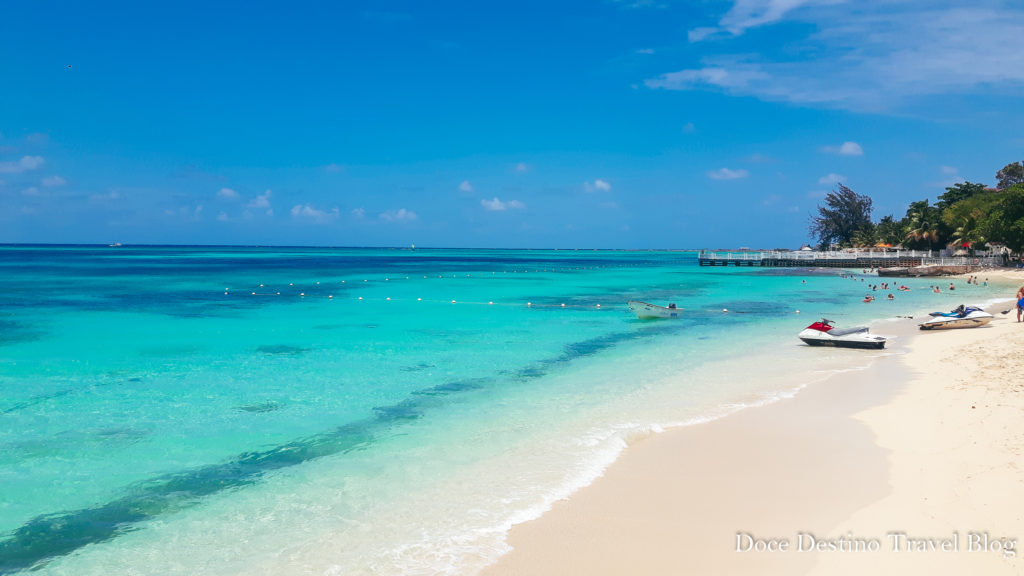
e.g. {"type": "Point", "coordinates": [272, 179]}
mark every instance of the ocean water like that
{"type": "Point", "coordinates": [212, 410]}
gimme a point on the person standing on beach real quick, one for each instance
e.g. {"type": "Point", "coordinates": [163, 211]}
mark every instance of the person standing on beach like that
{"type": "Point", "coordinates": [1020, 303]}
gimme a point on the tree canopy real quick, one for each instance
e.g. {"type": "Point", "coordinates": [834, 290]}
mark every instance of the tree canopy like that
{"type": "Point", "coordinates": [844, 214]}
{"type": "Point", "coordinates": [968, 214]}
{"type": "Point", "coordinates": [1012, 173]}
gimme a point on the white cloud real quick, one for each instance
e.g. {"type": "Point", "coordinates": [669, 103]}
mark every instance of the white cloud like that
{"type": "Point", "coordinates": [689, 128]}
{"type": "Point", "coordinates": [876, 56]}
{"type": "Point", "coordinates": [263, 202]}
{"type": "Point", "coordinates": [222, 217]}
{"type": "Point", "coordinates": [948, 170]}
{"type": "Point", "coordinates": [831, 179]}
{"type": "Point", "coordinates": [400, 215]}
{"type": "Point", "coordinates": [359, 213]}
{"type": "Point", "coordinates": [334, 168]}
{"type": "Point", "coordinates": [522, 167]}
{"type": "Point", "coordinates": [108, 197]}
{"type": "Point", "coordinates": [24, 165]}
{"type": "Point", "coordinates": [30, 191]}
{"type": "Point", "coordinates": [54, 181]}
{"type": "Point", "coordinates": [497, 205]}
{"type": "Point", "coordinates": [466, 187]}
{"type": "Point", "coordinates": [645, 51]}
{"type": "Point", "coordinates": [308, 212]}
{"type": "Point", "coordinates": [727, 174]}
{"type": "Point", "coordinates": [698, 34]}
{"type": "Point", "coordinates": [597, 186]}
{"type": "Point", "coordinates": [227, 194]}
{"type": "Point", "coordinates": [846, 149]}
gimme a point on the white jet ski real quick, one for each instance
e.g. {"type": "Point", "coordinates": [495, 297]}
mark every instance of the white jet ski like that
{"type": "Point", "coordinates": [961, 317]}
{"type": "Point", "coordinates": [825, 334]}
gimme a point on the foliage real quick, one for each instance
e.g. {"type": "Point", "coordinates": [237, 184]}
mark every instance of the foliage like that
{"type": "Point", "coordinates": [890, 231]}
{"type": "Point", "coordinates": [845, 213]}
{"type": "Point", "coordinates": [1005, 222]}
{"type": "Point", "coordinates": [1011, 174]}
{"type": "Point", "coordinates": [922, 223]}
{"type": "Point", "coordinates": [959, 192]}
{"type": "Point", "coordinates": [968, 218]}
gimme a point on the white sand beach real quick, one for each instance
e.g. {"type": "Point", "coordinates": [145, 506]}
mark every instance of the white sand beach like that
{"type": "Point", "coordinates": [909, 467]}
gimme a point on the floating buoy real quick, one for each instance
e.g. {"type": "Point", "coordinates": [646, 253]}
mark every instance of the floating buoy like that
{"type": "Point", "coordinates": [491, 303]}
{"type": "Point", "coordinates": [261, 285]}
{"type": "Point", "coordinates": [598, 305]}
{"type": "Point", "coordinates": [528, 303]}
{"type": "Point", "coordinates": [387, 279]}
{"type": "Point", "coordinates": [725, 309]}
{"type": "Point", "coordinates": [330, 295]}
{"type": "Point", "coordinates": [419, 299]}
{"type": "Point", "coordinates": [797, 311]}
{"type": "Point", "coordinates": [303, 294]}
{"type": "Point", "coordinates": [225, 293]}
{"type": "Point", "coordinates": [453, 301]}
{"type": "Point", "coordinates": [290, 284]}
{"type": "Point", "coordinates": [563, 304]}
{"type": "Point", "coordinates": [388, 298]}
{"type": "Point", "coordinates": [360, 297]}
{"type": "Point", "coordinates": [317, 283]}
{"type": "Point", "coordinates": [253, 293]}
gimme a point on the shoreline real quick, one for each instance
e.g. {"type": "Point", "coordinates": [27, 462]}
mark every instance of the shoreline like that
{"type": "Point", "coordinates": [831, 462]}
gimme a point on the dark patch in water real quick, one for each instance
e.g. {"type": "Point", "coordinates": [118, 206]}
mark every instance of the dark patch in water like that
{"type": "Point", "coordinates": [456, 386]}
{"type": "Point", "coordinates": [260, 407]}
{"type": "Point", "coordinates": [49, 536]}
{"type": "Point", "coordinates": [417, 368]}
{"type": "Point", "coordinates": [282, 350]}
{"type": "Point", "coordinates": [15, 332]}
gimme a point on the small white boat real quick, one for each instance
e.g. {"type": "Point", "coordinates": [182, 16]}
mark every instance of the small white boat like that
{"type": "Point", "coordinates": [824, 334]}
{"type": "Point", "coordinates": [644, 310]}
{"type": "Point", "coordinates": [961, 317]}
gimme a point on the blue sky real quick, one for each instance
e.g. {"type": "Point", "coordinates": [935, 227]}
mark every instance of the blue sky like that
{"type": "Point", "coordinates": [614, 124]}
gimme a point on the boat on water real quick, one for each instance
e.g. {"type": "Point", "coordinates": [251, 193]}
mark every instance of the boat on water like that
{"type": "Point", "coordinates": [960, 317]}
{"type": "Point", "coordinates": [644, 310]}
{"type": "Point", "coordinates": [823, 333]}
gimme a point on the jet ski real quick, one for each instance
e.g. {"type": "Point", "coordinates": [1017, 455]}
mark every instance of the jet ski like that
{"type": "Point", "coordinates": [960, 317]}
{"type": "Point", "coordinates": [823, 333]}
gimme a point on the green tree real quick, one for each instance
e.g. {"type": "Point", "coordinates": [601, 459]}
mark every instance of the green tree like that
{"type": "Point", "coordinates": [957, 192]}
{"type": "Point", "coordinates": [845, 212]}
{"type": "Point", "coordinates": [966, 219]}
{"type": "Point", "coordinates": [890, 231]}
{"type": "Point", "coordinates": [1005, 220]}
{"type": "Point", "coordinates": [922, 222]}
{"type": "Point", "coordinates": [1010, 175]}
{"type": "Point", "coordinates": [866, 236]}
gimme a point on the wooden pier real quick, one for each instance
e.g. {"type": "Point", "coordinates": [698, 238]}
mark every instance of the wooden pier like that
{"type": "Point", "coordinates": [811, 259]}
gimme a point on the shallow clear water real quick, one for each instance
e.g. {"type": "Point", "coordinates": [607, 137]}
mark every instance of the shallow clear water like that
{"type": "Point", "coordinates": [172, 410]}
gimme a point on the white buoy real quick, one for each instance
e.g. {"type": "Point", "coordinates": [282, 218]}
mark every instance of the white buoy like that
{"type": "Point", "coordinates": [330, 295]}
{"type": "Point", "coordinates": [528, 303]}
{"type": "Point", "coordinates": [303, 294]}
{"type": "Point", "coordinates": [598, 305]}
{"type": "Point", "coordinates": [290, 284]}
{"type": "Point", "coordinates": [388, 298]}
{"type": "Point", "coordinates": [360, 297]}
{"type": "Point", "coordinates": [261, 285]}
{"type": "Point", "coordinates": [419, 299]}
{"type": "Point", "coordinates": [797, 311]}
{"type": "Point", "coordinates": [253, 293]}
{"type": "Point", "coordinates": [725, 309]}
{"type": "Point", "coordinates": [453, 301]}
{"type": "Point", "coordinates": [563, 304]}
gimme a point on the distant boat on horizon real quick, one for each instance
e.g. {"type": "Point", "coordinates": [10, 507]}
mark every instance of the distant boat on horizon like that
{"type": "Point", "coordinates": [114, 245]}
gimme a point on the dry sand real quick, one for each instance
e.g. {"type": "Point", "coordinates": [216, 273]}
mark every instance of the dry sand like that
{"type": "Point", "coordinates": [926, 441]}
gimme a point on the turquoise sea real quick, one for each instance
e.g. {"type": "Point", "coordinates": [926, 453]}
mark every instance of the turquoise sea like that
{"type": "Point", "coordinates": [216, 410]}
